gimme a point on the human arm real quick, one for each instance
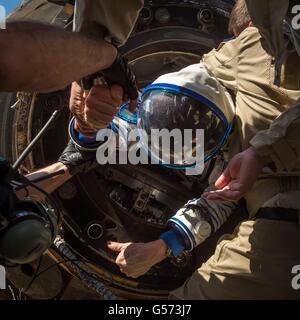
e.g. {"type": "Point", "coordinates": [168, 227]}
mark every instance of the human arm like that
{"type": "Point", "coordinates": [49, 185]}
{"type": "Point", "coordinates": [37, 57]}
{"type": "Point", "coordinates": [278, 146]}
{"type": "Point", "coordinates": [191, 226]}
{"type": "Point", "coordinates": [71, 162]}
{"type": "Point", "coordinates": [112, 21]}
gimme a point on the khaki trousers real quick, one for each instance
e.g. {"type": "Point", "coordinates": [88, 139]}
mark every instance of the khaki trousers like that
{"type": "Point", "coordinates": [253, 263]}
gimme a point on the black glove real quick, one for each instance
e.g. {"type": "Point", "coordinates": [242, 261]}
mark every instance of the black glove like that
{"type": "Point", "coordinates": [77, 160]}
{"type": "Point", "coordinates": [118, 73]}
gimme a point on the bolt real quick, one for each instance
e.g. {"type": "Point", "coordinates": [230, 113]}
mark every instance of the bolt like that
{"type": "Point", "coordinates": [162, 15]}
{"type": "Point", "coordinates": [205, 16]}
{"type": "Point", "coordinates": [95, 231]}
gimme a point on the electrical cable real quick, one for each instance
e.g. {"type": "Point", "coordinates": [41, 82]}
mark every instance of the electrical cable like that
{"type": "Point", "coordinates": [33, 277]}
{"type": "Point", "coordinates": [57, 264]}
{"type": "Point", "coordinates": [47, 195]}
{"type": "Point", "coordinates": [38, 274]}
{"type": "Point", "coordinates": [83, 271]}
{"type": "Point", "coordinates": [32, 144]}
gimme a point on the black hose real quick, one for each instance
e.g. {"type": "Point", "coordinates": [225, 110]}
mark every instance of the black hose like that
{"type": "Point", "coordinates": [32, 144]}
{"type": "Point", "coordinates": [83, 271]}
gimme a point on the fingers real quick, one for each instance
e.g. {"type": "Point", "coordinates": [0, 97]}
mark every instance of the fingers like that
{"type": "Point", "coordinates": [100, 107]}
{"type": "Point", "coordinates": [249, 173]}
{"type": "Point", "coordinates": [224, 179]}
{"type": "Point", "coordinates": [117, 93]}
{"type": "Point", "coordinates": [223, 195]}
{"type": "Point", "coordinates": [120, 261]}
{"type": "Point", "coordinates": [116, 246]}
{"type": "Point", "coordinates": [133, 259]}
{"type": "Point", "coordinates": [94, 107]}
{"type": "Point", "coordinates": [130, 273]}
{"type": "Point", "coordinates": [103, 94]}
{"type": "Point", "coordinates": [99, 119]}
{"type": "Point", "coordinates": [234, 191]}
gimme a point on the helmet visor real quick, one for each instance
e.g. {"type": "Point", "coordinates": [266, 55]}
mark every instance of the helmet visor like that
{"type": "Point", "coordinates": [175, 125]}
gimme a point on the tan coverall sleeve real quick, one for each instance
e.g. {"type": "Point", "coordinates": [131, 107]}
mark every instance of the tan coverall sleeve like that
{"type": "Point", "coordinates": [112, 20]}
{"type": "Point", "coordinates": [268, 16]}
{"type": "Point", "coordinates": [223, 62]}
{"type": "Point", "coordinates": [281, 142]}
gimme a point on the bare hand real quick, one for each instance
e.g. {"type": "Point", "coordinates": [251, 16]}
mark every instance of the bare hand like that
{"type": "Point", "coordinates": [239, 177]}
{"type": "Point", "coordinates": [135, 259]}
{"type": "Point", "coordinates": [96, 109]}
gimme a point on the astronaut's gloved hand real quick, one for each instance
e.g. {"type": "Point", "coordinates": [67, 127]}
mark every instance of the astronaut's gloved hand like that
{"type": "Point", "coordinates": [78, 160]}
{"type": "Point", "coordinates": [95, 109]}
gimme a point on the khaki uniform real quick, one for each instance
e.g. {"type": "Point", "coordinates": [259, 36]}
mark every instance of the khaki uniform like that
{"type": "Point", "coordinates": [253, 263]}
{"type": "Point", "coordinates": [268, 16]}
{"type": "Point", "coordinates": [281, 142]}
{"type": "Point", "coordinates": [112, 20]}
{"type": "Point", "coordinates": [256, 261]}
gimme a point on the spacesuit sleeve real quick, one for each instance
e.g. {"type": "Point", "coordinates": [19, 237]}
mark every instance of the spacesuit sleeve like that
{"type": "Point", "coordinates": [111, 20]}
{"type": "Point", "coordinates": [199, 218]}
{"type": "Point", "coordinates": [281, 141]}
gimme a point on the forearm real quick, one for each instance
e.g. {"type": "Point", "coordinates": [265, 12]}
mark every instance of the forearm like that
{"type": "Point", "coordinates": [49, 185]}
{"type": "Point", "coordinates": [36, 57]}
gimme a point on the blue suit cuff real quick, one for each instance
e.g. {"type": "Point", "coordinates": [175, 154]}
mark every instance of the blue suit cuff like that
{"type": "Point", "coordinates": [174, 241]}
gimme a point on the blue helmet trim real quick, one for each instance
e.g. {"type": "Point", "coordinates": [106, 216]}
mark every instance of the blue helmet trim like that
{"type": "Point", "coordinates": [177, 89]}
{"type": "Point", "coordinates": [132, 119]}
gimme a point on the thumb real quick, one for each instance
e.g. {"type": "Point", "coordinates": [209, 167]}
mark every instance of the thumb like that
{"type": "Point", "coordinates": [117, 93]}
{"type": "Point", "coordinates": [223, 180]}
{"type": "Point", "coordinates": [116, 246]}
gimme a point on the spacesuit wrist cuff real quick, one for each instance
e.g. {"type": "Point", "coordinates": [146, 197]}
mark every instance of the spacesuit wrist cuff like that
{"type": "Point", "coordinates": [178, 226]}
{"type": "Point", "coordinates": [81, 141]}
{"type": "Point", "coordinates": [174, 241]}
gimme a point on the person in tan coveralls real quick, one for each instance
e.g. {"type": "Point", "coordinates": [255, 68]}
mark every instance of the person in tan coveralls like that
{"type": "Point", "coordinates": [279, 144]}
{"type": "Point", "coordinates": [256, 261]}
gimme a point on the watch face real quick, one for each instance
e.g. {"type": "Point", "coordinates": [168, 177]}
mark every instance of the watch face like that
{"type": "Point", "coordinates": [169, 253]}
{"type": "Point", "coordinates": [204, 229]}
